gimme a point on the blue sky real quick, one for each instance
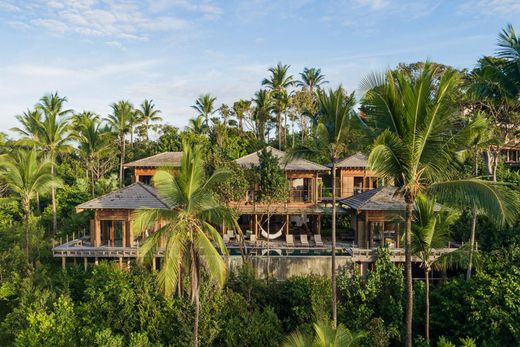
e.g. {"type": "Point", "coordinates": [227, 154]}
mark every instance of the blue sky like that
{"type": "Point", "coordinates": [96, 52]}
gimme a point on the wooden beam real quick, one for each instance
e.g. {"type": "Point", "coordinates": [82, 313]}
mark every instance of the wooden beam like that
{"type": "Point", "coordinates": [85, 263]}
{"type": "Point", "coordinates": [286, 224]}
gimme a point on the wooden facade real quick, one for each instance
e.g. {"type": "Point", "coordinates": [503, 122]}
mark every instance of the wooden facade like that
{"type": "Point", "coordinates": [376, 228]}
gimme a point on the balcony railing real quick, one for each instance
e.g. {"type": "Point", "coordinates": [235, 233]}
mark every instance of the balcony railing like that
{"type": "Point", "coordinates": [327, 192]}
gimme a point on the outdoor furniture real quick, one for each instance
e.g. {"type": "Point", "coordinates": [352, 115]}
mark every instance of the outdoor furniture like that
{"type": "Point", "coordinates": [317, 240]}
{"type": "Point", "coordinates": [304, 240]}
{"type": "Point", "coordinates": [252, 239]}
{"type": "Point", "coordinates": [225, 238]}
{"type": "Point", "coordinates": [231, 234]}
{"type": "Point", "coordinates": [289, 240]}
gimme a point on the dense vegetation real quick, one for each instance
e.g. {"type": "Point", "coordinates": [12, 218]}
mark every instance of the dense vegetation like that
{"type": "Point", "coordinates": [60, 158]}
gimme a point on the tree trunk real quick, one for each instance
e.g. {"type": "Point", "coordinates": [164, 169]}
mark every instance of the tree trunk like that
{"type": "Point", "coordinates": [121, 160]}
{"type": "Point", "coordinates": [427, 304]}
{"type": "Point", "coordinates": [471, 243]}
{"type": "Point", "coordinates": [53, 194]}
{"type": "Point", "coordinates": [279, 121]}
{"type": "Point", "coordinates": [196, 322]}
{"type": "Point", "coordinates": [92, 184]}
{"type": "Point", "coordinates": [195, 294]}
{"type": "Point", "coordinates": [408, 273]}
{"type": "Point", "coordinates": [26, 227]}
{"type": "Point", "coordinates": [333, 259]}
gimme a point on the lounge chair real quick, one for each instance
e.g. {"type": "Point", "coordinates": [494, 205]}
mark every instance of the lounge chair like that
{"type": "Point", "coordinates": [252, 239]}
{"type": "Point", "coordinates": [230, 234]}
{"type": "Point", "coordinates": [289, 240]}
{"type": "Point", "coordinates": [317, 240]}
{"type": "Point", "coordinates": [304, 240]}
{"type": "Point", "coordinates": [225, 238]}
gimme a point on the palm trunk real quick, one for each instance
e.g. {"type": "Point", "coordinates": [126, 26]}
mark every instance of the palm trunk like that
{"type": "Point", "coordinates": [54, 210]}
{"type": "Point", "coordinates": [333, 259]}
{"type": "Point", "coordinates": [26, 227]}
{"type": "Point", "coordinates": [195, 294]}
{"type": "Point", "coordinates": [121, 160]}
{"type": "Point", "coordinates": [92, 184]}
{"type": "Point", "coordinates": [472, 243]}
{"type": "Point", "coordinates": [279, 121]}
{"type": "Point", "coordinates": [196, 322]}
{"type": "Point", "coordinates": [408, 273]}
{"type": "Point", "coordinates": [427, 304]}
{"type": "Point", "coordinates": [38, 209]}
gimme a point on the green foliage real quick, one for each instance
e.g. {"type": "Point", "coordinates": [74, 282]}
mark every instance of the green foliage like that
{"type": "Point", "coordinates": [380, 295]}
{"type": "Point", "coordinates": [273, 184]}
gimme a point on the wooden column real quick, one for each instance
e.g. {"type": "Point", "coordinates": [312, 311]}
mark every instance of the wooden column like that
{"type": "Point", "coordinates": [365, 230]}
{"type": "Point", "coordinates": [154, 264]}
{"type": "Point", "coordinates": [318, 224]}
{"type": "Point", "coordinates": [286, 224]}
{"type": "Point", "coordinates": [63, 262]}
{"type": "Point", "coordinates": [256, 224]}
{"type": "Point", "coordinates": [120, 262]}
{"type": "Point", "coordinates": [123, 233]}
{"type": "Point", "coordinates": [85, 263]}
{"type": "Point", "coordinates": [129, 234]}
{"type": "Point", "coordinates": [398, 235]}
{"type": "Point", "coordinates": [383, 234]}
{"type": "Point", "coordinates": [97, 232]}
{"type": "Point", "coordinates": [371, 240]}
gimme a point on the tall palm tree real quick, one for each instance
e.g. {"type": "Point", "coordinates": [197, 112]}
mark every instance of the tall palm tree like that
{"type": "Point", "coordinates": [325, 336]}
{"type": "Point", "coordinates": [278, 83]}
{"type": "Point", "coordinates": [414, 118]}
{"type": "Point", "coordinates": [262, 112]}
{"type": "Point", "coordinates": [26, 175]}
{"type": "Point", "coordinates": [120, 120]}
{"type": "Point", "coordinates": [93, 138]}
{"type": "Point", "coordinates": [29, 121]}
{"type": "Point", "coordinates": [191, 242]}
{"type": "Point", "coordinates": [204, 105]}
{"type": "Point", "coordinates": [147, 114]}
{"type": "Point", "coordinates": [334, 124]}
{"type": "Point", "coordinates": [197, 125]}
{"type": "Point", "coordinates": [430, 231]}
{"type": "Point", "coordinates": [311, 79]}
{"type": "Point", "coordinates": [240, 109]}
{"type": "Point", "coordinates": [52, 135]}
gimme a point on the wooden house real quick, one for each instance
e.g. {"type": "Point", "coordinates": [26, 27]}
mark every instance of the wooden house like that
{"type": "Point", "coordinates": [353, 176]}
{"type": "Point", "coordinates": [145, 168]}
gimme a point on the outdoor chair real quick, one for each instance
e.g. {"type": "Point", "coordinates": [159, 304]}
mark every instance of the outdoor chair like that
{"type": "Point", "coordinates": [225, 238]}
{"type": "Point", "coordinates": [304, 240]}
{"type": "Point", "coordinates": [317, 240]}
{"type": "Point", "coordinates": [231, 234]}
{"type": "Point", "coordinates": [252, 239]}
{"type": "Point", "coordinates": [289, 240]}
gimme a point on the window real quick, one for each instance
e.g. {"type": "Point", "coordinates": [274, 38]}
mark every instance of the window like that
{"type": "Point", "coordinates": [301, 189]}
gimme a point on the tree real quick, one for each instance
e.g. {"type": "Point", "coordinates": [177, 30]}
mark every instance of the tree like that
{"type": "Point", "coordinates": [278, 83]}
{"type": "Point", "coordinates": [26, 175]}
{"type": "Point", "coordinates": [262, 112]}
{"type": "Point", "coordinates": [191, 242]}
{"type": "Point", "coordinates": [429, 232]}
{"type": "Point", "coordinates": [204, 105]}
{"type": "Point", "coordinates": [326, 336]}
{"type": "Point", "coordinates": [414, 118]}
{"type": "Point", "coordinates": [241, 108]}
{"type": "Point", "coordinates": [197, 125]}
{"type": "Point", "coordinates": [311, 79]}
{"type": "Point", "coordinates": [94, 146]}
{"type": "Point", "coordinates": [335, 122]}
{"type": "Point", "coordinates": [120, 120]}
{"type": "Point", "coordinates": [147, 114]}
{"type": "Point", "coordinates": [274, 188]}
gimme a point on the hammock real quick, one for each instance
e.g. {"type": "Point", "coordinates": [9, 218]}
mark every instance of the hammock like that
{"type": "Point", "coordinates": [272, 236]}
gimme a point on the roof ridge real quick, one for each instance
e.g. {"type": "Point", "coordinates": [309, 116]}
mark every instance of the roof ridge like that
{"type": "Point", "coordinates": [112, 192]}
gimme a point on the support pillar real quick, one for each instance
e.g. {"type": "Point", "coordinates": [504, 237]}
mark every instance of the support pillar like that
{"type": "Point", "coordinates": [371, 241]}
{"type": "Point", "coordinates": [398, 235]}
{"type": "Point", "coordinates": [383, 234]}
{"type": "Point", "coordinates": [120, 262]}
{"type": "Point", "coordinates": [154, 264]}
{"type": "Point", "coordinates": [63, 262]}
{"type": "Point", "coordinates": [96, 262]}
{"type": "Point", "coordinates": [256, 225]}
{"type": "Point", "coordinates": [286, 224]}
{"type": "Point", "coordinates": [85, 263]}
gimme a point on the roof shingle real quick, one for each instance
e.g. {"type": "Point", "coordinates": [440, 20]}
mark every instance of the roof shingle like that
{"type": "Point", "coordinates": [297, 164]}
{"type": "Point", "coordinates": [355, 160]}
{"type": "Point", "coordinates": [161, 159]}
{"type": "Point", "coordinates": [132, 197]}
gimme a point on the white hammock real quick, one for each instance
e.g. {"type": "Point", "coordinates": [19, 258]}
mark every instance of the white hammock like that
{"type": "Point", "coordinates": [272, 236]}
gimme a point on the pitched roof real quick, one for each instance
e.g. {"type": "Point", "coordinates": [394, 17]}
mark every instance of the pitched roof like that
{"type": "Point", "coordinates": [161, 159]}
{"type": "Point", "coordinates": [355, 160]}
{"type": "Point", "coordinates": [297, 164]}
{"type": "Point", "coordinates": [379, 199]}
{"type": "Point", "coordinates": [134, 196]}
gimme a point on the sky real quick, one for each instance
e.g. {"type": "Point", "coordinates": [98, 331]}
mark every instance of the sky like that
{"type": "Point", "coordinates": [96, 52]}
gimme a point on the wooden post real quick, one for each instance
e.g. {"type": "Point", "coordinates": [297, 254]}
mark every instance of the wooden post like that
{"type": "Point", "coordinates": [365, 230]}
{"type": "Point", "coordinates": [398, 235]}
{"type": "Point", "coordinates": [371, 241]}
{"type": "Point", "coordinates": [383, 234]}
{"type": "Point", "coordinates": [97, 231]}
{"type": "Point", "coordinates": [129, 234]}
{"type": "Point", "coordinates": [96, 262]}
{"type": "Point", "coordinates": [111, 237]}
{"type": "Point", "coordinates": [318, 224]}
{"type": "Point", "coordinates": [123, 233]}
{"type": "Point", "coordinates": [286, 224]}
{"type": "Point", "coordinates": [63, 262]}
{"type": "Point", "coordinates": [154, 264]}
{"type": "Point", "coordinates": [120, 262]}
{"type": "Point", "coordinates": [256, 224]}
{"type": "Point", "coordinates": [85, 263]}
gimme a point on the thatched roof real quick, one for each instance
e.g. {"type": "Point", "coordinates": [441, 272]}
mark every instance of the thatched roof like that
{"type": "Point", "coordinates": [358, 160]}
{"type": "Point", "coordinates": [132, 197]}
{"type": "Point", "coordinates": [158, 160]}
{"type": "Point", "coordinates": [297, 164]}
{"type": "Point", "coordinates": [380, 199]}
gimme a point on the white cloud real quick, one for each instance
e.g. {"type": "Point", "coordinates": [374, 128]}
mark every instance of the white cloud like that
{"type": "Point", "coordinates": [503, 8]}
{"type": "Point", "coordinates": [374, 4]}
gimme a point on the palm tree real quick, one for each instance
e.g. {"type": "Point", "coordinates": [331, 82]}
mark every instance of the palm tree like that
{"type": "Point", "coordinates": [326, 336]}
{"type": "Point", "coordinates": [414, 119]}
{"type": "Point", "coordinates": [52, 135]}
{"type": "Point", "coordinates": [311, 79]}
{"type": "Point", "coordinates": [241, 108]}
{"type": "Point", "coordinates": [429, 232]}
{"type": "Point", "coordinates": [29, 120]}
{"type": "Point", "coordinates": [204, 105]}
{"type": "Point", "coordinates": [335, 120]}
{"type": "Point", "coordinates": [93, 143]}
{"type": "Point", "coordinates": [278, 83]}
{"type": "Point", "coordinates": [26, 175]}
{"type": "Point", "coordinates": [197, 125]}
{"type": "Point", "coordinates": [146, 115]}
{"type": "Point", "coordinates": [191, 242]}
{"type": "Point", "coordinates": [262, 112]}
{"type": "Point", "coordinates": [120, 120]}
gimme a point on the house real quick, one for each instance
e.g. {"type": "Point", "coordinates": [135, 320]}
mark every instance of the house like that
{"type": "Point", "coordinates": [353, 176]}
{"type": "Point", "coordinates": [300, 214]}
{"type": "Point", "coordinates": [511, 153]}
{"type": "Point", "coordinates": [145, 168]}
